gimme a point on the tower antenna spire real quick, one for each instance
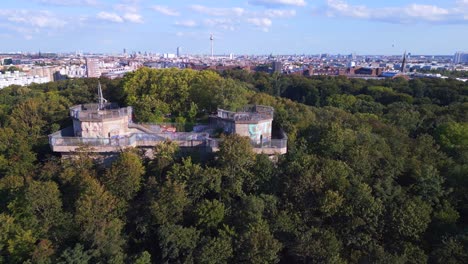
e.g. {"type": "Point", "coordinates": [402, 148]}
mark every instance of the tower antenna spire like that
{"type": "Point", "coordinates": [211, 41]}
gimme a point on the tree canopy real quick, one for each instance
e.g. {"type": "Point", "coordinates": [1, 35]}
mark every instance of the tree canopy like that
{"type": "Point", "coordinates": [376, 172]}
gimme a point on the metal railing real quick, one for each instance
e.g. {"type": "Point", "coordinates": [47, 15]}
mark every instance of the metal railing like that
{"type": "Point", "coordinates": [183, 139]}
{"type": "Point", "coordinates": [77, 141]}
{"type": "Point", "coordinates": [273, 143]}
{"type": "Point", "coordinates": [179, 136]}
{"type": "Point", "coordinates": [142, 139]}
{"type": "Point", "coordinates": [170, 127]}
{"type": "Point", "coordinates": [80, 112]}
{"type": "Point", "coordinates": [136, 139]}
{"type": "Point", "coordinates": [248, 113]}
{"type": "Point", "coordinates": [243, 116]}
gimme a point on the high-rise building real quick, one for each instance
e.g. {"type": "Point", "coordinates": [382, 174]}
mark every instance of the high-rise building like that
{"type": "Point", "coordinates": [45, 71]}
{"type": "Point", "coordinates": [179, 50]}
{"type": "Point", "coordinates": [460, 58]}
{"type": "Point", "coordinates": [92, 68]}
{"type": "Point", "coordinates": [277, 66]}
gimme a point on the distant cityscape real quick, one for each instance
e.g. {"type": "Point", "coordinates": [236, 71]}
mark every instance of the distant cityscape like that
{"type": "Point", "coordinates": [26, 68]}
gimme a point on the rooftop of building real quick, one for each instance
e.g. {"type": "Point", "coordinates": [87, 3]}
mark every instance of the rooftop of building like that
{"type": "Point", "coordinates": [249, 113]}
{"type": "Point", "coordinates": [98, 111]}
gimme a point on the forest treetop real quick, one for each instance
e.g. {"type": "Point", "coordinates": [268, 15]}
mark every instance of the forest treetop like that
{"type": "Point", "coordinates": [376, 172]}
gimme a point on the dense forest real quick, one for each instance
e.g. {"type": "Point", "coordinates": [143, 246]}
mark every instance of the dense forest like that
{"type": "Point", "coordinates": [376, 172]}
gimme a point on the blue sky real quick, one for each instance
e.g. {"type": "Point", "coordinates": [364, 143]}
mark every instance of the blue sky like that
{"type": "Point", "coordinates": [239, 26]}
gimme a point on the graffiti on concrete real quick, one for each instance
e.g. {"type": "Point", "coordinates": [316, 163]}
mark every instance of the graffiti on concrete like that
{"type": "Point", "coordinates": [256, 131]}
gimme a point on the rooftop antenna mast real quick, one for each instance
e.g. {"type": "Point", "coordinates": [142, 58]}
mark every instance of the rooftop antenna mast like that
{"type": "Point", "coordinates": [211, 40]}
{"type": "Point", "coordinates": [102, 101]}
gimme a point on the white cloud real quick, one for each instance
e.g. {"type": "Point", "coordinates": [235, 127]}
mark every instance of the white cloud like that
{"type": "Point", "coordinates": [111, 17]}
{"type": "Point", "coordinates": [165, 10]}
{"type": "Point", "coordinates": [342, 8]}
{"type": "Point", "coordinates": [411, 13]}
{"type": "Point", "coordinates": [425, 11]}
{"type": "Point", "coordinates": [462, 8]}
{"type": "Point", "coordinates": [26, 32]}
{"type": "Point", "coordinates": [186, 23]}
{"type": "Point", "coordinates": [273, 3]}
{"type": "Point", "coordinates": [263, 23]}
{"type": "Point", "coordinates": [222, 23]}
{"type": "Point", "coordinates": [133, 17]}
{"type": "Point", "coordinates": [128, 8]}
{"type": "Point", "coordinates": [39, 19]}
{"type": "Point", "coordinates": [234, 11]}
{"type": "Point", "coordinates": [29, 23]}
{"type": "Point", "coordinates": [273, 13]}
{"type": "Point", "coordinates": [231, 17]}
{"type": "Point", "coordinates": [125, 13]}
{"type": "Point", "coordinates": [69, 2]}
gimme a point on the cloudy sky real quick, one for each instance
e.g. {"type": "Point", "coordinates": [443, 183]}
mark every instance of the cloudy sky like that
{"type": "Point", "coordinates": [239, 26]}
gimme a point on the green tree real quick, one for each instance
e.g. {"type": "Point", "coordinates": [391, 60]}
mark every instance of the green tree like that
{"type": "Point", "coordinates": [343, 101]}
{"type": "Point", "coordinates": [215, 249]}
{"type": "Point", "coordinates": [209, 214]}
{"type": "Point", "coordinates": [169, 203]}
{"type": "Point", "coordinates": [123, 178]}
{"type": "Point", "coordinates": [178, 243]}
{"type": "Point", "coordinates": [410, 218]}
{"type": "Point", "coordinates": [165, 155]}
{"type": "Point", "coordinates": [143, 258]}
{"type": "Point", "coordinates": [75, 255]}
{"type": "Point", "coordinates": [199, 182]}
{"type": "Point", "coordinates": [450, 251]}
{"type": "Point", "coordinates": [16, 244]}
{"type": "Point", "coordinates": [258, 245]}
{"type": "Point", "coordinates": [97, 218]}
{"type": "Point", "coordinates": [44, 201]}
{"type": "Point", "coordinates": [43, 252]}
{"type": "Point", "coordinates": [453, 137]}
{"type": "Point", "coordinates": [361, 219]}
{"type": "Point", "coordinates": [21, 246]}
{"type": "Point", "coordinates": [318, 246]}
{"type": "Point", "coordinates": [235, 158]}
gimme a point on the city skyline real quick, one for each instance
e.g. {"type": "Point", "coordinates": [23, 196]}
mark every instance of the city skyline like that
{"type": "Point", "coordinates": [239, 27]}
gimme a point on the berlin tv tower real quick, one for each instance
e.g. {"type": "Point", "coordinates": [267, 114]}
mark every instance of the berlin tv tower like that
{"type": "Point", "coordinates": [211, 40]}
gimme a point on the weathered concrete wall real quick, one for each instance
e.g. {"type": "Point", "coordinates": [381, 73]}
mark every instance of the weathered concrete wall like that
{"type": "Point", "coordinates": [255, 131]}
{"type": "Point", "coordinates": [102, 129]}
{"type": "Point", "coordinates": [270, 151]}
{"type": "Point", "coordinates": [115, 127]}
{"type": "Point", "coordinates": [227, 125]}
{"type": "Point", "coordinates": [77, 128]}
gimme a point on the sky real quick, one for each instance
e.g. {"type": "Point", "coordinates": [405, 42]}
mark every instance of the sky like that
{"type": "Point", "coordinates": [239, 26]}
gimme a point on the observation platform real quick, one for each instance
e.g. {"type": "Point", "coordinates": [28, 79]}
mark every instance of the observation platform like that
{"type": "Point", "coordinates": [107, 128]}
